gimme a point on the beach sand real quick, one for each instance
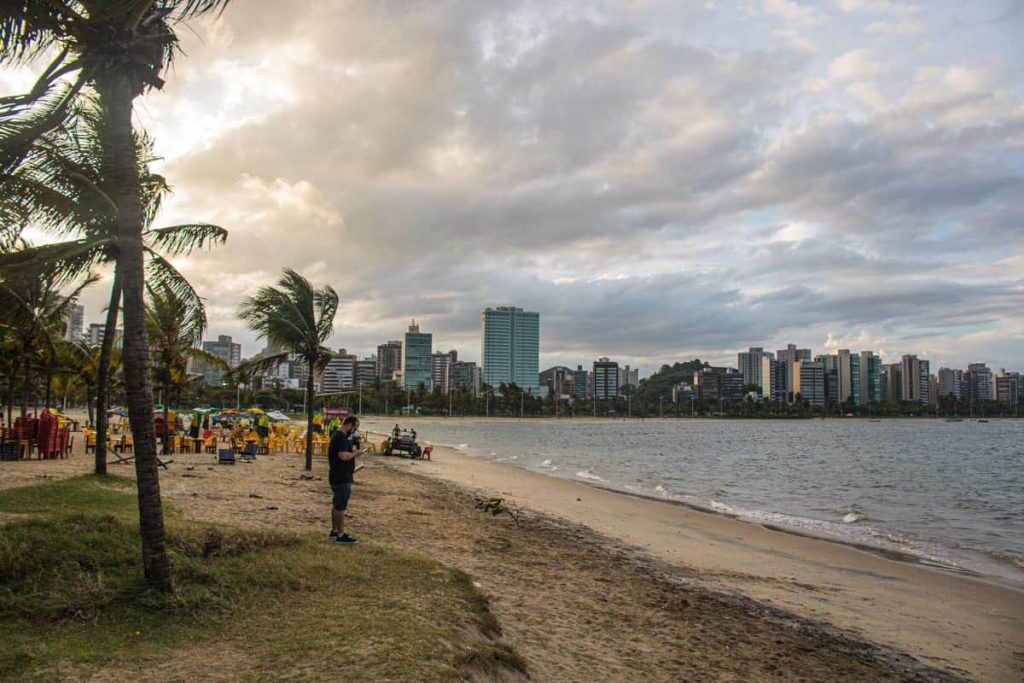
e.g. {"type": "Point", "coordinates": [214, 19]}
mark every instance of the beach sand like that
{"type": "Point", "coordinates": [591, 585]}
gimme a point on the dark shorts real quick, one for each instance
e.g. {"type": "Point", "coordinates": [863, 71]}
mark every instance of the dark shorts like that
{"type": "Point", "coordinates": [342, 491]}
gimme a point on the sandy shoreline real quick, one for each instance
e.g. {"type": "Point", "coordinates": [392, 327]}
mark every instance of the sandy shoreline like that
{"type": "Point", "coordinates": [586, 563]}
{"type": "Point", "coordinates": [951, 620]}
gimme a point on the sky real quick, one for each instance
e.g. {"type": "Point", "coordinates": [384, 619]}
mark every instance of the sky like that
{"type": "Point", "coordinates": [660, 180]}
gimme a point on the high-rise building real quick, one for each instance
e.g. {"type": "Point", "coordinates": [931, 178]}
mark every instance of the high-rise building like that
{"type": "Point", "coordinates": [96, 332]}
{"type": "Point", "coordinates": [366, 371]}
{"type": "Point", "coordinates": [892, 376]}
{"type": "Point", "coordinates": [439, 363]}
{"type": "Point", "coordinates": [756, 366]}
{"type": "Point", "coordinates": [75, 323]}
{"type": "Point", "coordinates": [849, 376]}
{"type": "Point", "coordinates": [809, 382]}
{"type": "Point", "coordinates": [718, 384]}
{"type": "Point", "coordinates": [914, 375]}
{"type": "Point", "coordinates": [629, 377]}
{"type": "Point", "coordinates": [1007, 387]}
{"type": "Point", "coordinates": [225, 349]}
{"type": "Point", "coordinates": [788, 357]}
{"type": "Point", "coordinates": [463, 376]}
{"type": "Point", "coordinates": [770, 384]}
{"type": "Point", "coordinates": [606, 379]}
{"type": "Point", "coordinates": [830, 365]}
{"type": "Point", "coordinates": [979, 382]}
{"type": "Point", "coordinates": [417, 352]}
{"type": "Point", "coordinates": [581, 383]}
{"type": "Point", "coordinates": [389, 359]}
{"type": "Point", "coordinates": [558, 380]}
{"type": "Point", "coordinates": [340, 372]}
{"type": "Point", "coordinates": [951, 383]}
{"type": "Point", "coordinates": [870, 378]}
{"type": "Point", "coordinates": [510, 347]}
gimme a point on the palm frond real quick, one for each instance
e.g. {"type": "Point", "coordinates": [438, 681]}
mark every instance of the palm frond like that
{"type": "Point", "coordinates": [181, 239]}
{"type": "Point", "coordinates": [258, 366]}
{"type": "Point", "coordinates": [65, 260]}
{"type": "Point", "coordinates": [161, 274]}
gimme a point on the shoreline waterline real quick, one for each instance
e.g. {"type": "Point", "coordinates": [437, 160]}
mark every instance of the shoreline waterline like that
{"type": "Point", "coordinates": [915, 526]}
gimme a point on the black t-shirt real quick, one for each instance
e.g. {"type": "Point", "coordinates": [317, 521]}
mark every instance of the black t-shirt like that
{"type": "Point", "coordinates": [341, 470]}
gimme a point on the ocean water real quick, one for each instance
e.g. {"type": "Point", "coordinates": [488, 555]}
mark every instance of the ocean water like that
{"type": "Point", "coordinates": [951, 493]}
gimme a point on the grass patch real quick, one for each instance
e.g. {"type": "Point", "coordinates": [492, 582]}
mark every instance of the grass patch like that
{"type": "Point", "coordinates": [261, 605]}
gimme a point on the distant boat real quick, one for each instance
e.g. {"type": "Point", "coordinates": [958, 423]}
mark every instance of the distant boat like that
{"type": "Point", "coordinates": [982, 420]}
{"type": "Point", "coordinates": [954, 419]}
{"type": "Point", "coordinates": [874, 419]}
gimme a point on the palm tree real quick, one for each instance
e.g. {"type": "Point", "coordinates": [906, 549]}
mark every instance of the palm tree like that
{"type": "Point", "coordinates": [298, 319]}
{"type": "Point", "coordinates": [176, 325]}
{"type": "Point", "coordinates": [34, 311]}
{"type": "Point", "coordinates": [118, 48]}
{"type": "Point", "coordinates": [61, 187]}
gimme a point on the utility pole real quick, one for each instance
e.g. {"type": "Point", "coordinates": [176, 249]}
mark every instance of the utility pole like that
{"type": "Point", "coordinates": [520, 405]}
{"type": "Point", "coordinates": [360, 399]}
{"type": "Point", "coordinates": [691, 406]}
{"type": "Point", "coordinates": [661, 406]}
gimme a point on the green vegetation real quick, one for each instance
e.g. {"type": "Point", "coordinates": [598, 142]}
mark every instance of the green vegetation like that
{"type": "Point", "coordinates": [268, 605]}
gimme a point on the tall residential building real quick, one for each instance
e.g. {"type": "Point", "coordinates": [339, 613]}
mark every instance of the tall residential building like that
{"type": "Point", "coordinates": [914, 374]}
{"type": "Point", "coordinates": [629, 377]}
{"type": "Point", "coordinates": [463, 376]}
{"type": "Point", "coordinates": [892, 382]}
{"type": "Point", "coordinates": [714, 384]}
{"type": "Point", "coordinates": [510, 347]}
{"type": "Point", "coordinates": [849, 376]}
{"type": "Point", "coordinates": [439, 362]}
{"type": "Point", "coordinates": [340, 372]}
{"type": "Point", "coordinates": [416, 358]}
{"type": "Point", "coordinates": [870, 378]}
{"type": "Point", "coordinates": [96, 332]}
{"type": "Point", "coordinates": [580, 383]}
{"type": "Point", "coordinates": [951, 383]}
{"type": "Point", "coordinates": [788, 357]}
{"type": "Point", "coordinates": [770, 384]}
{"type": "Point", "coordinates": [389, 359]}
{"type": "Point", "coordinates": [366, 371]}
{"type": "Point", "coordinates": [830, 365]}
{"type": "Point", "coordinates": [75, 323]}
{"type": "Point", "coordinates": [558, 380]}
{"type": "Point", "coordinates": [225, 349]}
{"type": "Point", "coordinates": [606, 379]}
{"type": "Point", "coordinates": [1007, 387]}
{"type": "Point", "coordinates": [755, 364]}
{"type": "Point", "coordinates": [809, 382]}
{"type": "Point", "coordinates": [979, 382]}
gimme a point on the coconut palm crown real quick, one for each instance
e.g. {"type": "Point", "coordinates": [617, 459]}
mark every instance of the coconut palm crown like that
{"type": "Point", "coordinates": [298, 319]}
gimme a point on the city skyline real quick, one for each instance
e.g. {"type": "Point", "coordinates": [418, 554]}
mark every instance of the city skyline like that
{"type": "Point", "coordinates": [661, 181]}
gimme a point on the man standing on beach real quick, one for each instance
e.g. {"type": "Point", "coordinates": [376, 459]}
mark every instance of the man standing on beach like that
{"type": "Point", "coordinates": [341, 456]}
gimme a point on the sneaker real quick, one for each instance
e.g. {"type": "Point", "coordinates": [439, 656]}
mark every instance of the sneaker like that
{"type": "Point", "coordinates": [334, 534]}
{"type": "Point", "coordinates": [345, 539]}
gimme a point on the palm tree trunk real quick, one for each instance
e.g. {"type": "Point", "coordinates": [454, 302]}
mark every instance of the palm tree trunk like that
{"type": "Point", "coordinates": [309, 415]}
{"type": "Point", "coordinates": [88, 405]}
{"type": "Point", "coordinates": [167, 427]}
{"type": "Point", "coordinates": [49, 381]}
{"type": "Point", "coordinates": [26, 385]}
{"type": "Point", "coordinates": [116, 94]}
{"type": "Point", "coordinates": [12, 383]}
{"type": "Point", "coordinates": [103, 384]}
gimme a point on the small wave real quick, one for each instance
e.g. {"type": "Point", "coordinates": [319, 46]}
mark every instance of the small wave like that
{"type": "Point", "coordinates": [462, 447]}
{"type": "Point", "coordinates": [721, 507]}
{"type": "Point", "coordinates": [548, 465]}
{"type": "Point", "coordinates": [662, 491]}
{"type": "Point", "coordinates": [852, 517]}
{"type": "Point", "coordinates": [587, 474]}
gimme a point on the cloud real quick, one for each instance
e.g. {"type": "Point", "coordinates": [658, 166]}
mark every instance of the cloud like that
{"type": "Point", "coordinates": [760, 177]}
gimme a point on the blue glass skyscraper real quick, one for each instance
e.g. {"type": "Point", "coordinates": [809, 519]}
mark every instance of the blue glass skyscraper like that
{"type": "Point", "coordinates": [510, 347]}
